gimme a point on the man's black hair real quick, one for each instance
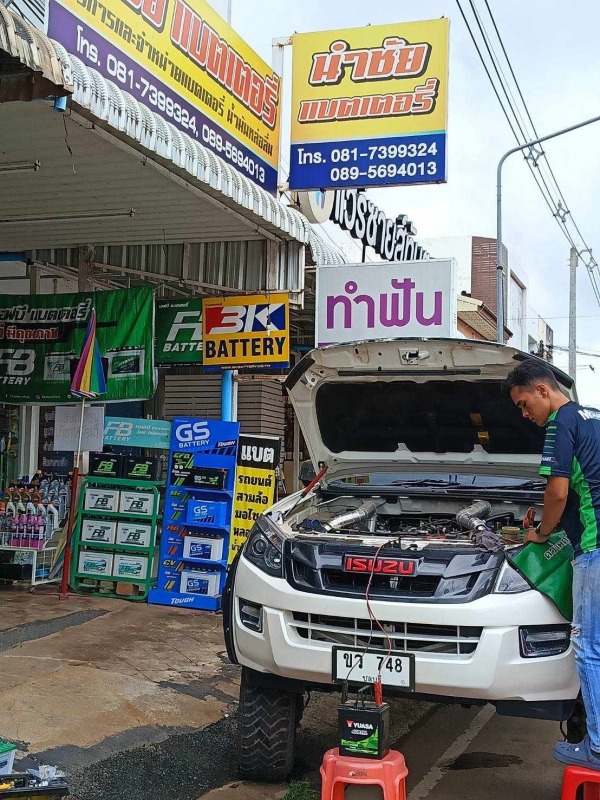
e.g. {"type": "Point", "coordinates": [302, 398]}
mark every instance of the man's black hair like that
{"type": "Point", "coordinates": [528, 372]}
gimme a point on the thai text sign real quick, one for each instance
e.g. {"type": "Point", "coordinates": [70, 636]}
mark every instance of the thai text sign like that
{"type": "Point", "coordinates": [384, 301]}
{"type": "Point", "coordinates": [369, 106]}
{"type": "Point", "coordinates": [247, 331]}
{"type": "Point", "coordinates": [128, 432]}
{"type": "Point", "coordinates": [255, 483]}
{"type": "Point", "coordinates": [42, 335]}
{"type": "Point", "coordinates": [185, 63]}
{"type": "Point", "coordinates": [179, 331]}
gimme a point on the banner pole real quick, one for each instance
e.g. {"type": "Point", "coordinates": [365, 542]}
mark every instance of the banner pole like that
{"type": "Point", "coordinates": [64, 582]}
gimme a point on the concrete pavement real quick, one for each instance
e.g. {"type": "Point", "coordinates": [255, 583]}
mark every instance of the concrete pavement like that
{"type": "Point", "coordinates": [137, 702]}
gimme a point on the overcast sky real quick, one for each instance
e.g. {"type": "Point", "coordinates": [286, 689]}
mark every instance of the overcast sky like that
{"type": "Point", "coordinates": [554, 51]}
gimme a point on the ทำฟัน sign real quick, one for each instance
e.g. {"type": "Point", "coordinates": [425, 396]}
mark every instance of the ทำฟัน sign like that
{"type": "Point", "coordinates": [185, 63]}
{"type": "Point", "coordinates": [369, 106]}
{"type": "Point", "coordinates": [179, 331]}
{"type": "Point", "coordinates": [41, 335]}
{"type": "Point", "coordinates": [385, 301]}
{"type": "Point", "coordinates": [247, 331]}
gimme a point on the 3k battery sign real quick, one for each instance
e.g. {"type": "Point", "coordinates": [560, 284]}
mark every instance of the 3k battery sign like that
{"type": "Point", "coordinates": [248, 331]}
{"type": "Point", "coordinates": [179, 332]}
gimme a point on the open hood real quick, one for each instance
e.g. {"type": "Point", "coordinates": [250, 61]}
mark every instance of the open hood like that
{"type": "Point", "coordinates": [407, 405]}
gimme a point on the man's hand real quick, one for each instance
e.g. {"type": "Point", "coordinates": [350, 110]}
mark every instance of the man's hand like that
{"type": "Point", "coordinates": [533, 536]}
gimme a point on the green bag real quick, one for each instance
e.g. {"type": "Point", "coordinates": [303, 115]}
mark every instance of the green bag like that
{"type": "Point", "coordinates": [549, 569]}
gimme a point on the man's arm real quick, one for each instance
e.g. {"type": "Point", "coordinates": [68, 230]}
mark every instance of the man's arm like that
{"type": "Point", "coordinates": [555, 500]}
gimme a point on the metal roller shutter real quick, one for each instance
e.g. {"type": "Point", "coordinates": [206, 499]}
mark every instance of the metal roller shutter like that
{"type": "Point", "coordinates": [261, 408]}
{"type": "Point", "coordinates": [192, 396]}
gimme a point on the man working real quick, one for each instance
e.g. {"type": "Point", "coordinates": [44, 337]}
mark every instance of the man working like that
{"type": "Point", "coordinates": [571, 462]}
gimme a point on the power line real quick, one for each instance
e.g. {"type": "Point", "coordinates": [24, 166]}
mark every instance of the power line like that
{"type": "Point", "coordinates": [559, 209]}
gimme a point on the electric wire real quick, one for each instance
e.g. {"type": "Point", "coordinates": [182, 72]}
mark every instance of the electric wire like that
{"type": "Point", "coordinates": [558, 209]}
{"type": "Point", "coordinates": [561, 213]}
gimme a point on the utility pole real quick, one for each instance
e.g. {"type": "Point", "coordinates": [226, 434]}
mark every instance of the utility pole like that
{"type": "Point", "coordinates": [573, 312]}
{"type": "Point", "coordinates": [533, 156]}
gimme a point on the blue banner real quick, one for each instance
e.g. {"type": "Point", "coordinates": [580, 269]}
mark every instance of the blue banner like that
{"type": "Point", "coordinates": [419, 158]}
{"type": "Point", "coordinates": [126, 432]}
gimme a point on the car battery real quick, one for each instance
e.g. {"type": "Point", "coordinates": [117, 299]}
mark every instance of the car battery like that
{"type": "Point", "coordinates": [105, 465]}
{"type": "Point", "coordinates": [364, 729]}
{"type": "Point", "coordinates": [141, 469]}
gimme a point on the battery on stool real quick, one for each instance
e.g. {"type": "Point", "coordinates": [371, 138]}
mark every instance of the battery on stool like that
{"type": "Point", "coordinates": [364, 729]}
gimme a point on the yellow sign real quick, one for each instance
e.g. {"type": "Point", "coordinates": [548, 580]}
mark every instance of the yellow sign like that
{"type": "Point", "coordinates": [246, 331]}
{"type": "Point", "coordinates": [255, 485]}
{"type": "Point", "coordinates": [369, 106]}
{"type": "Point", "coordinates": [182, 60]}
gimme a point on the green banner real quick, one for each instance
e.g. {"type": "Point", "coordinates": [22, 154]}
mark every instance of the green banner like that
{"type": "Point", "coordinates": [179, 331]}
{"type": "Point", "coordinates": [41, 336]}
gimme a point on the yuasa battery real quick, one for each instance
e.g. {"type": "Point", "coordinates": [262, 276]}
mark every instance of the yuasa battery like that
{"type": "Point", "coordinates": [364, 729]}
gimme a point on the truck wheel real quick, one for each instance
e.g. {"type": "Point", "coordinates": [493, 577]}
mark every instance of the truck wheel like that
{"type": "Point", "coordinates": [267, 720]}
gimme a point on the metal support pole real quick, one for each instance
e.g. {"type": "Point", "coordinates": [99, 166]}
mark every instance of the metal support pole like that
{"type": "Point", "coordinates": [229, 12]}
{"type": "Point", "coordinates": [227, 395]}
{"type": "Point", "coordinates": [573, 312]}
{"type": "Point", "coordinates": [499, 265]}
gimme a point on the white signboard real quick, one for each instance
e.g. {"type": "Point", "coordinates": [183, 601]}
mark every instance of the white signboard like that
{"type": "Point", "coordinates": [385, 301]}
{"type": "Point", "coordinates": [66, 428]}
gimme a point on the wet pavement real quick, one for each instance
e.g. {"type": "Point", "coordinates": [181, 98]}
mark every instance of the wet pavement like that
{"type": "Point", "coordinates": [137, 702]}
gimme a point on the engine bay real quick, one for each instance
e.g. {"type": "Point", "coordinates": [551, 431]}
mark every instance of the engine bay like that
{"type": "Point", "coordinates": [480, 523]}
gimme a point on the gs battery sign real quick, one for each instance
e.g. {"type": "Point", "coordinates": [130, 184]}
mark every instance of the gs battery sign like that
{"type": "Point", "coordinates": [246, 332]}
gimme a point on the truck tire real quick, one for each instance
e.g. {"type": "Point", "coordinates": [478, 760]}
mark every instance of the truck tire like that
{"type": "Point", "coordinates": [267, 720]}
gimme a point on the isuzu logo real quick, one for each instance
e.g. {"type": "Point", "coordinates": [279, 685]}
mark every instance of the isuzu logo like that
{"type": "Point", "coordinates": [380, 566]}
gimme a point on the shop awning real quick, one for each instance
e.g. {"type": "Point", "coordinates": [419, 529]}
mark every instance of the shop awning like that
{"type": "Point", "coordinates": [30, 67]}
{"type": "Point", "coordinates": [110, 159]}
{"type": "Point", "coordinates": [478, 316]}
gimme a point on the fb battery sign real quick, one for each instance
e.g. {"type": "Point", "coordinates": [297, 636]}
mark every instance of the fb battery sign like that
{"type": "Point", "coordinates": [179, 331]}
{"type": "Point", "coordinates": [246, 332]}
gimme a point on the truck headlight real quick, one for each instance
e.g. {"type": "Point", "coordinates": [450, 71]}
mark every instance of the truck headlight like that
{"type": "Point", "coordinates": [510, 581]}
{"type": "Point", "coordinates": [264, 547]}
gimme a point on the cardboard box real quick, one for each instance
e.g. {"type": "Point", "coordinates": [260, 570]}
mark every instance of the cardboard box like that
{"type": "Point", "coordinates": [134, 534]}
{"type": "Point", "coordinates": [95, 564]}
{"type": "Point", "coordinates": [128, 566]}
{"type": "Point", "coordinates": [126, 589]}
{"type": "Point", "coordinates": [98, 530]}
{"type": "Point", "coordinates": [203, 548]}
{"type": "Point", "coordinates": [200, 582]}
{"type": "Point", "coordinates": [140, 503]}
{"type": "Point", "coordinates": [101, 500]}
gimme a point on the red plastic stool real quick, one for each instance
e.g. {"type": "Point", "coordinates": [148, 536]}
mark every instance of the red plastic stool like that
{"type": "Point", "coordinates": [574, 777]}
{"type": "Point", "coordinates": [338, 771]}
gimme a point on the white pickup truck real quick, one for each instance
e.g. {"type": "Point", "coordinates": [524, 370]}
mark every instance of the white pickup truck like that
{"type": "Point", "coordinates": [413, 433]}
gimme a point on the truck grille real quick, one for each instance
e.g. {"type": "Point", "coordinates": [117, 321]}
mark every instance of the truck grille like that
{"type": "Point", "coordinates": [454, 642]}
{"type": "Point", "coordinates": [442, 575]}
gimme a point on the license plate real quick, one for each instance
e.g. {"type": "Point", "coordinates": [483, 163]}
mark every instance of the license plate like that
{"type": "Point", "coordinates": [353, 665]}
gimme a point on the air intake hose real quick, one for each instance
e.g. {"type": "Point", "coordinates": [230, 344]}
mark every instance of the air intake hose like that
{"type": "Point", "coordinates": [363, 513]}
{"type": "Point", "coordinates": [473, 519]}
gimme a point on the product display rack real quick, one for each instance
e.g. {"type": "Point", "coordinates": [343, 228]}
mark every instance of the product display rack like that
{"type": "Point", "coordinates": [112, 555]}
{"type": "Point", "coordinates": [198, 512]}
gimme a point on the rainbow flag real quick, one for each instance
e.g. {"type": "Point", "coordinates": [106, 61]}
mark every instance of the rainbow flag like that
{"type": "Point", "coordinates": [88, 381]}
